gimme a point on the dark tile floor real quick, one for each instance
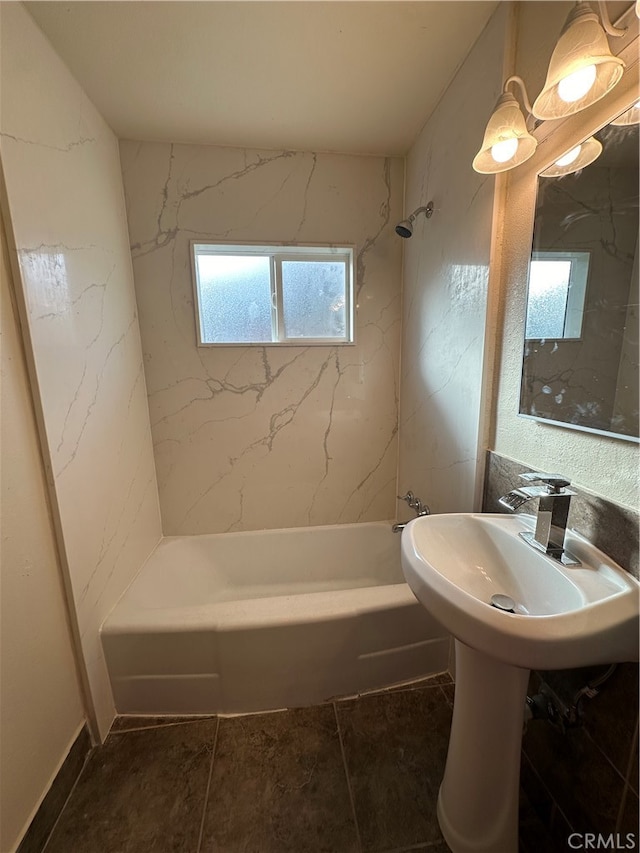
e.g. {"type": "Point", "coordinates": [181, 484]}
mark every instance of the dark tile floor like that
{"type": "Point", "coordinates": [354, 776]}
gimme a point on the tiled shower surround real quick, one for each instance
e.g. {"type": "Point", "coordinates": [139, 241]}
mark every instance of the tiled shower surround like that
{"type": "Point", "coordinates": [251, 437]}
{"type": "Point", "coordinates": [445, 282]}
{"type": "Point", "coordinates": [583, 779]}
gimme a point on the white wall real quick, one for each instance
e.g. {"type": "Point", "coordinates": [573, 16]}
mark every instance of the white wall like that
{"type": "Point", "coordinates": [40, 702]}
{"type": "Point", "coordinates": [266, 437]}
{"type": "Point", "coordinates": [606, 466]}
{"type": "Point", "coordinates": [67, 218]}
{"type": "Point", "coordinates": [446, 271]}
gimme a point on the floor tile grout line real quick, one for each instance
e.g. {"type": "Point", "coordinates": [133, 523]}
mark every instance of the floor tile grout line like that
{"type": "Point", "coordinates": [421, 845]}
{"type": "Point", "coordinates": [208, 788]}
{"type": "Point", "coordinates": [66, 802]}
{"type": "Point", "coordinates": [409, 687]}
{"type": "Point", "coordinates": [627, 781]}
{"type": "Point", "coordinates": [532, 767]}
{"type": "Point", "coordinates": [609, 761]}
{"type": "Point", "coordinates": [348, 780]}
{"type": "Point", "coordinates": [633, 751]}
{"type": "Point", "coordinates": [446, 698]}
{"type": "Point", "coordinates": [162, 725]}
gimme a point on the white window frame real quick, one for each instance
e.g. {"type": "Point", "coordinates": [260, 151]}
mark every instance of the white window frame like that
{"type": "Point", "coordinates": [576, 292]}
{"type": "Point", "coordinates": [277, 253]}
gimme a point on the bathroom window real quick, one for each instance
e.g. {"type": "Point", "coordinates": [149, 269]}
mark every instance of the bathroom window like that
{"type": "Point", "coordinates": [557, 287]}
{"type": "Point", "coordinates": [283, 295]}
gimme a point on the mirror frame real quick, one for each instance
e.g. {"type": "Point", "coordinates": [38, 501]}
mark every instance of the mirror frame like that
{"type": "Point", "coordinates": [541, 419]}
{"type": "Point", "coordinates": [557, 138]}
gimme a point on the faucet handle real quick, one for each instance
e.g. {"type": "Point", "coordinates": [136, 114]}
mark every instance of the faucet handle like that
{"type": "Point", "coordinates": [554, 482]}
{"type": "Point", "coordinates": [409, 498]}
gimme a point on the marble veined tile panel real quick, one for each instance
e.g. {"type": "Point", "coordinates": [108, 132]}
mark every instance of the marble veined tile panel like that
{"type": "Point", "coordinates": [67, 215]}
{"type": "Point", "coordinates": [266, 437]}
{"type": "Point", "coordinates": [446, 267]}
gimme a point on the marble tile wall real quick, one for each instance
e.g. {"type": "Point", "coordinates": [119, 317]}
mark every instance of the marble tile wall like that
{"type": "Point", "coordinates": [266, 437]}
{"type": "Point", "coordinates": [32, 662]}
{"type": "Point", "coordinates": [446, 265]}
{"type": "Point", "coordinates": [67, 221]}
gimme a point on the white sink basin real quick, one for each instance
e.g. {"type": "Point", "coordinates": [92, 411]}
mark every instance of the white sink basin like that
{"type": "Point", "coordinates": [564, 617]}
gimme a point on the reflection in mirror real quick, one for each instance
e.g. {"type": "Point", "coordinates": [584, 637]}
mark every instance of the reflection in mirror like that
{"type": "Point", "coordinates": [557, 287]}
{"type": "Point", "coordinates": [580, 366]}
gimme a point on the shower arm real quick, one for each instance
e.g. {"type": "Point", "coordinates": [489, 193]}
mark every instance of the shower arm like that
{"type": "Point", "coordinates": [427, 209]}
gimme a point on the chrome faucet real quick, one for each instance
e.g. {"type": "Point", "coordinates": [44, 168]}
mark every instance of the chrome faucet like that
{"type": "Point", "coordinates": [553, 512]}
{"type": "Point", "coordinates": [416, 505]}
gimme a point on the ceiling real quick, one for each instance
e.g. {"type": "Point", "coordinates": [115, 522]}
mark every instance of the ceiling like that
{"type": "Point", "coordinates": [353, 77]}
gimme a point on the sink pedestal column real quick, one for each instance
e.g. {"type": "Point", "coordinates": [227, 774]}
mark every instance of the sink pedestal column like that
{"type": "Point", "coordinates": [478, 799]}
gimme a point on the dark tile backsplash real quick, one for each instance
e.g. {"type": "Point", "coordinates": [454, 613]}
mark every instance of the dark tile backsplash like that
{"type": "Point", "coordinates": [583, 779]}
{"type": "Point", "coordinates": [610, 527]}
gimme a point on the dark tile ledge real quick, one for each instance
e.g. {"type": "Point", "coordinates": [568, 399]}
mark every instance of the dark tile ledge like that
{"type": "Point", "coordinates": [54, 801]}
{"type": "Point", "coordinates": [610, 527]}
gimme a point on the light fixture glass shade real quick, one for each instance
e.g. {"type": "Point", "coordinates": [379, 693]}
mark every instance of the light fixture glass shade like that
{"type": "Point", "coordinates": [507, 142]}
{"type": "Point", "coordinates": [582, 68]}
{"type": "Point", "coordinates": [631, 116]}
{"type": "Point", "coordinates": [574, 160]}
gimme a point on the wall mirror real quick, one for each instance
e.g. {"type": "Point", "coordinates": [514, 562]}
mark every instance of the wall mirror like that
{"type": "Point", "coordinates": [580, 364]}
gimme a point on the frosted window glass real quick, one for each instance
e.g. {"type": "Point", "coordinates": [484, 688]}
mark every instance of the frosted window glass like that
{"type": "Point", "coordinates": [314, 299]}
{"type": "Point", "coordinates": [547, 301]}
{"type": "Point", "coordinates": [235, 298]}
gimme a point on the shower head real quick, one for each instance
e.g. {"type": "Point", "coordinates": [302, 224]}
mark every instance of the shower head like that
{"type": "Point", "coordinates": [405, 228]}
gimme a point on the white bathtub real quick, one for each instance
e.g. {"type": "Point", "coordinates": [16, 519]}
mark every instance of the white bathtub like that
{"type": "Point", "coordinates": [253, 621]}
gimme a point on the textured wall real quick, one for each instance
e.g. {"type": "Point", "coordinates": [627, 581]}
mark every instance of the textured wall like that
{"type": "Point", "coordinates": [446, 266]}
{"type": "Point", "coordinates": [40, 703]}
{"type": "Point", "coordinates": [607, 466]}
{"type": "Point", "coordinates": [67, 214]}
{"type": "Point", "coordinates": [266, 437]}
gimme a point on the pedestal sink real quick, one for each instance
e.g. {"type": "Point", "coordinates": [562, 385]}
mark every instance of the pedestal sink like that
{"type": "Point", "coordinates": [561, 617]}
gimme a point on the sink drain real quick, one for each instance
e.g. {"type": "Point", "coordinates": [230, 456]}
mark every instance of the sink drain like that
{"type": "Point", "coordinates": [503, 602]}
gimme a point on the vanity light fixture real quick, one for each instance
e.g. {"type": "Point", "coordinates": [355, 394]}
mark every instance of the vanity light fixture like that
{"type": "Point", "coordinates": [507, 142]}
{"type": "Point", "coordinates": [630, 116]}
{"type": "Point", "coordinates": [582, 68]}
{"type": "Point", "coordinates": [574, 160]}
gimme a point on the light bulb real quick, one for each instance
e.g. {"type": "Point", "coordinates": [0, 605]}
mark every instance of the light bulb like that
{"type": "Point", "coordinates": [575, 86]}
{"type": "Point", "coordinates": [570, 156]}
{"type": "Point", "coordinates": [504, 150]}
